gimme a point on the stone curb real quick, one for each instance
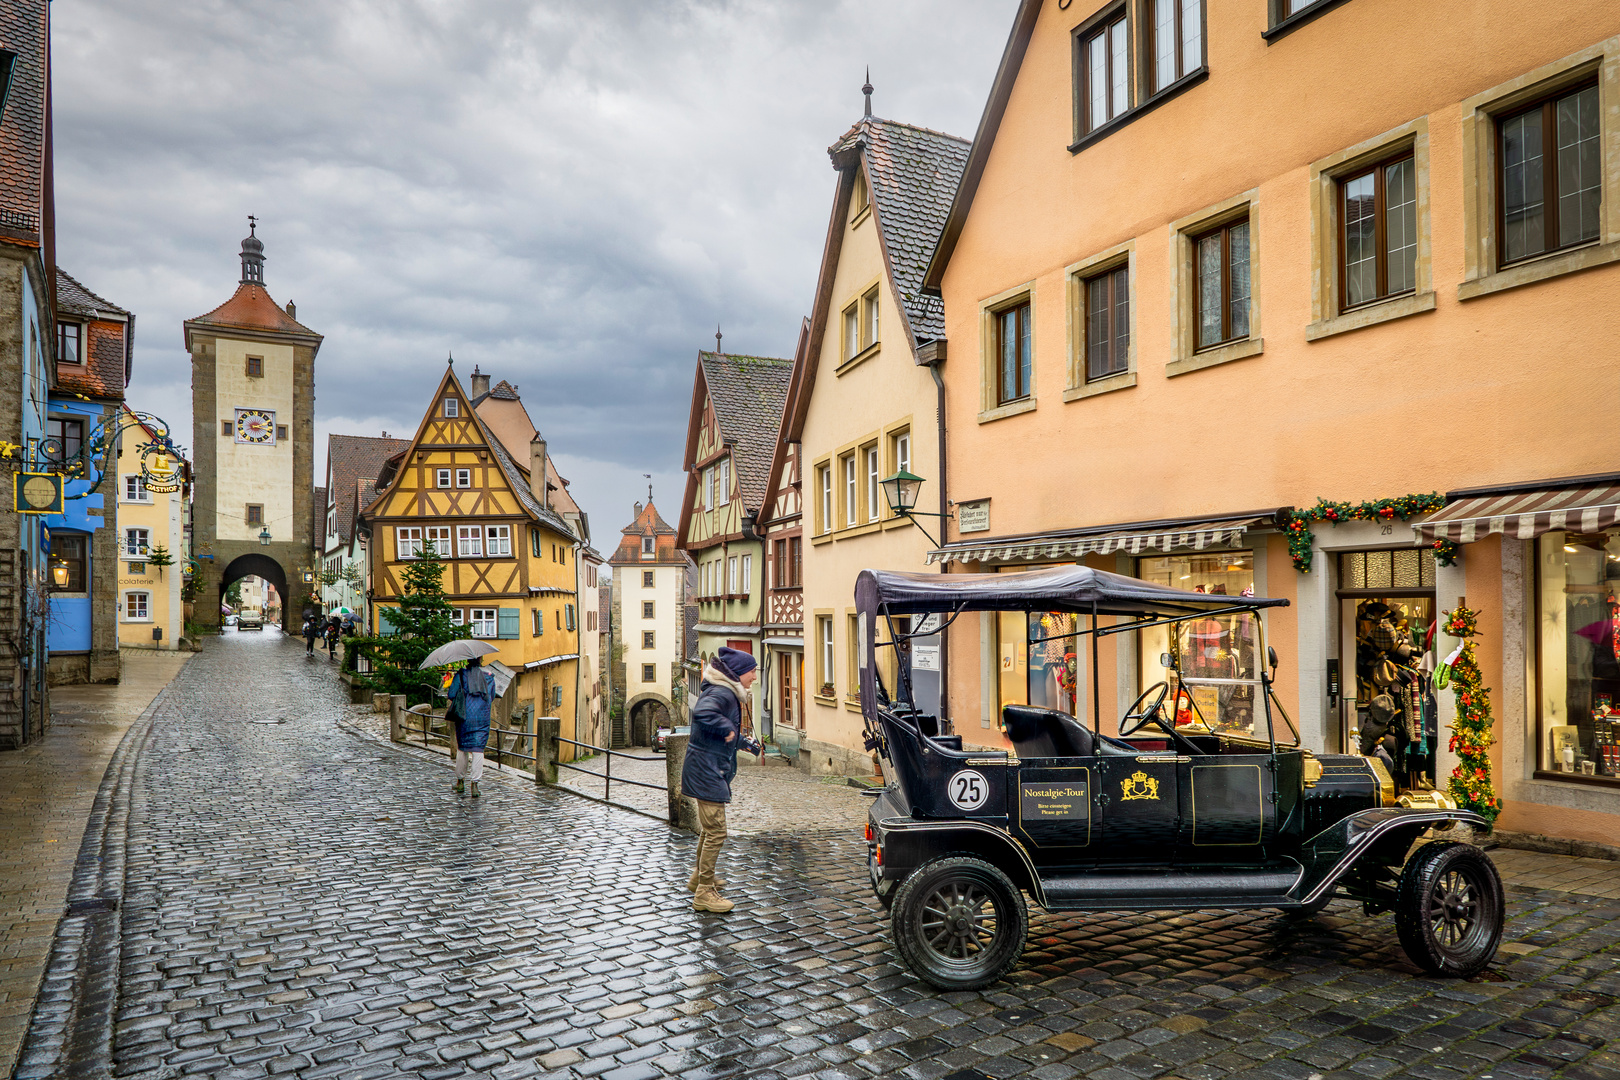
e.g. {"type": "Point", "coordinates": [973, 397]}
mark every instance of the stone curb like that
{"type": "Point", "coordinates": [513, 777]}
{"type": "Point", "coordinates": [70, 1031]}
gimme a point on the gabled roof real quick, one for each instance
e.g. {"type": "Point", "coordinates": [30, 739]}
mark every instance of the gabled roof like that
{"type": "Point", "coordinates": [786, 435]}
{"type": "Point", "coordinates": [648, 522]}
{"type": "Point", "coordinates": [318, 519]}
{"type": "Point", "coordinates": [748, 393]}
{"type": "Point", "coordinates": [912, 176]}
{"type": "Point", "coordinates": [251, 308]}
{"type": "Point", "coordinates": [351, 458]}
{"type": "Point", "coordinates": [73, 298]}
{"type": "Point", "coordinates": [105, 342]}
{"type": "Point", "coordinates": [1012, 58]}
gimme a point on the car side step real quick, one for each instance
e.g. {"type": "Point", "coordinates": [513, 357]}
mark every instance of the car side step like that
{"type": "Point", "coordinates": [1152, 888]}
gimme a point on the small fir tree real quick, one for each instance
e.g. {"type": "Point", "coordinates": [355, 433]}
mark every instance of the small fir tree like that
{"type": "Point", "coordinates": [420, 624]}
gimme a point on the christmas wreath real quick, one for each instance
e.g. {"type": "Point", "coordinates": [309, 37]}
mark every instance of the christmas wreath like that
{"type": "Point", "coordinates": [1405, 507]}
{"type": "Point", "coordinates": [1471, 736]}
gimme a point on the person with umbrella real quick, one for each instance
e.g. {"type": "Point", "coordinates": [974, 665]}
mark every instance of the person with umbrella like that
{"type": "Point", "coordinates": [471, 693]}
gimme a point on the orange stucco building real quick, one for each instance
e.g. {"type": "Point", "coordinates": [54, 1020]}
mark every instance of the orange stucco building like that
{"type": "Point", "coordinates": [1213, 260]}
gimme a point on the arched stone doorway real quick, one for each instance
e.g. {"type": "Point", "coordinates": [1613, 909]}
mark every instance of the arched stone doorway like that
{"type": "Point", "coordinates": [258, 566]}
{"type": "Point", "coordinates": [647, 713]}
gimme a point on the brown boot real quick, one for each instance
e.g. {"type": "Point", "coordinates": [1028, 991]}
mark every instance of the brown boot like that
{"type": "Point", "coordinates": [709, 900]}
{"type": "Point", "coordinates": [692, 883]}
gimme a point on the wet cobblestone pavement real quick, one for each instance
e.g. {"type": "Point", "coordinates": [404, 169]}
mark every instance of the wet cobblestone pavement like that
{"type": "Point", "coordinates": [302, 901]}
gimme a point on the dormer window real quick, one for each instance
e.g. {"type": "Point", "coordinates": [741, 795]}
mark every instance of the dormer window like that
{"type": "Point", "coordinates": [68, 343]}
{"type": "Point", "coordinates": [647, 547]}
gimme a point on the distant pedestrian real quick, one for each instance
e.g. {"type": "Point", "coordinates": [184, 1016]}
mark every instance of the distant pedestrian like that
{"type": "Point", "coordinates": [311, 632]}
{"type": "Point", "coordinates": [471, 692]}
{"type": "Point", "coordinates": [720, 722]}
{"type": "Point", "coordinates": [333, 629]}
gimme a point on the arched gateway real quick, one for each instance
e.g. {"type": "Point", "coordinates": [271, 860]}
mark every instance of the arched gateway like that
{"type": "Point", "coordinates": [252, 399]}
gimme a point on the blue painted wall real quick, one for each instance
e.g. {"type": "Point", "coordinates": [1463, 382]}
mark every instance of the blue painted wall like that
{"type": "Point", "coordinates": [69, 627]}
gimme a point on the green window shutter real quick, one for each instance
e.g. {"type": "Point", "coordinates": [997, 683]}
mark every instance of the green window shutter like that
{"type": "Point", "coordinates": [385, 623]}
{"type": "Point", "coordinates": [539, 622]}
{"type": "Point", "coordinates": [507, 622]}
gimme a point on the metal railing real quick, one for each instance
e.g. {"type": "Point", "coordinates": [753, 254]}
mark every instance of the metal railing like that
{"type": "Point", "coordinates": [430, 725]}
{"type": "Point", "coordinates": [607, 771]}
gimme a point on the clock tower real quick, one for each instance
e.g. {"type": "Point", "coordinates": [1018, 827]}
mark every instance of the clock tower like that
{"type": "Point", "coordinates": [252, 398]}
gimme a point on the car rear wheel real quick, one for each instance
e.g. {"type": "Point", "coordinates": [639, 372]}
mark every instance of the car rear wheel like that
{"type": "Point", "coordinates": [1449, 909]}
{"type": "Point", "coordinates": [959, 923]}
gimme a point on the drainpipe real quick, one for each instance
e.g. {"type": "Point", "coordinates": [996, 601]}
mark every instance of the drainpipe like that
{"type": "Point", "coordinates": [945, 724]}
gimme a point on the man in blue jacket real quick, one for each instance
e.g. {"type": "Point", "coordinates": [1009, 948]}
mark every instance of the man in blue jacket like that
{"type": "Point", "coordinates": [719, 722]}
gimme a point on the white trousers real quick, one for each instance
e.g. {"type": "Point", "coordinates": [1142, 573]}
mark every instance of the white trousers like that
{"type": "Point", "coordinates": [470, 761]}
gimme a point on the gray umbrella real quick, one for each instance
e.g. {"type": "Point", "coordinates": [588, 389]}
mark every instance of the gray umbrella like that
{"type": "Point", "coordinates": [460, 649]}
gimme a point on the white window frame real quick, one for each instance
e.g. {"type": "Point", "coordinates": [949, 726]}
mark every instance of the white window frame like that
{"type": "Point", "coordinates": [497, 541]}
{"type": "Point", "coordinates": [444, 545]}
{"type": "Point", "coordinates": [826, 497]}
{"type": "Point", "coordinates": [647, 545]}
{"type": "Point", "coordinates": [873, 475]}
{"type": "Point", "coordinates": [135, 489]}
{"type": "Point", "coordinates": [731, 576]}
{"type": "Point", "coordinates": [463, 478]}
{"type": "Point", "coordinates": [483, 619]}
{"type": "Point", "coordinates": [137, 543]}
{"type": "Point", "coordinates": [452, 408]}
{"type": "Point", "coordinates": [708, 488]}
{"type": "Point", "coordinates": [851, 492]}
{"type": "Point", "coordinates": [829, 656]}
{"type": "Point", "coordinates": [902, 452]}
{"type": "Point", "coordinates": [747, 573]}
{"type": "Point", "coordinates": [441, 478]}
{"type": "Point", "coordinates": [146, 606]}
{"type": "Point", "coordinates": [469, 541]}
{"type": "Point", "coordinates": [723, 497]}
{"type": "Point", "coordinates": [407, 541]}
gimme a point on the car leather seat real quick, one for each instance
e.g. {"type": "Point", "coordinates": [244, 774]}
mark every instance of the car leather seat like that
{"type": "Point", "coordinates": [1031, 735]}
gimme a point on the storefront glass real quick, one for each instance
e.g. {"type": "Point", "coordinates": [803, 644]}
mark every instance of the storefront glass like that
{"type": "Point", "coordinates": [1219, 662]}
{"type": "Point", "coordinates": [1579, 624]}
{"type": "Point", "coordinates": [1037, 658]}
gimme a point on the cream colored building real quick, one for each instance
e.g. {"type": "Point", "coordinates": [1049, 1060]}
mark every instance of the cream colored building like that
{"type": "Point", "coordinates": [150, 523]}
{"type": "Point", "coordinates": [649, 590]}
{"type": "Point", "coordinates": [864, 406]}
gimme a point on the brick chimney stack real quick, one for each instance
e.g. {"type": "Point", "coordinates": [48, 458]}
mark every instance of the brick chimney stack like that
{"type": "Point", "coordinates": [480, 383]}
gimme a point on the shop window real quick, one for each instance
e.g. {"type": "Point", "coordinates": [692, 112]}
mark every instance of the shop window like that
{"type": "Point", "coordinates": [1219, 683]}
{"type": "Point", "coordinates": [1404, 568]}
{"type": "Point", "coordinates": [1579, 619]}
{"type": "Point", "coordinates": [1378, 243]}
{"type": "Point", "coordinates": [68, 551]}
{"type": "Point", "coordinates": [1104, 70]}
{"type": "Point", "coordinates": [1550, 180]}
{"type": "Point", "coordinates": [1107, 323]}
{"type": "Point", "coordinates": [1037, 660]}
{"type": "Point", "coordinates": [1221, 284]}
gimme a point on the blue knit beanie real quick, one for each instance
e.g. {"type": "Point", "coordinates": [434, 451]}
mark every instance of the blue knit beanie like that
{"type": "Point", "coordinates": [734, 662]}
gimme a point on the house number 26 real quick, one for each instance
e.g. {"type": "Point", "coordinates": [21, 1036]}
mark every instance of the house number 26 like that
{"type": "Point", "coordinates": [968, 790]}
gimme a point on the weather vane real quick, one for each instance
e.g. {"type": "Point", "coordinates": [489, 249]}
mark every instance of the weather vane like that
{"type": "Point", "coordinates": [717, 337]}
{"type": "Point", "coordinates": [253, 223]}
{"type": "Point", "coordinates": [648, 477]}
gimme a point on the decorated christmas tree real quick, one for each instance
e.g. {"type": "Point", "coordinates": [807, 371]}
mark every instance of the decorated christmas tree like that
{"type": "Point", "coordinates": [420, 624]}
{"type": "Point", "coordinates": [1471, 736]}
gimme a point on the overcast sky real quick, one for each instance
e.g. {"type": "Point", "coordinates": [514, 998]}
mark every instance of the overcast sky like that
{"type": "Point", "coordinates": [569, 194]}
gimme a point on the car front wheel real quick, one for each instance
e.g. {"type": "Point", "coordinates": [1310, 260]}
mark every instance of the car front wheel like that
{"type": "Point", "coordinates": [959, 923]}
{"type": "Point", "coordinates": [1449, 909]}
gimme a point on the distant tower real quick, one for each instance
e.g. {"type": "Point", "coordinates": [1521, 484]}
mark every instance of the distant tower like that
{"type": "Point", "coordinates": [252, 399]}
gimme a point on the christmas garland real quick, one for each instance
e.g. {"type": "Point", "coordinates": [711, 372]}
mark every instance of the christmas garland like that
{"type": "Point", "coordinates": [1405, 507]}
{"type": "Point", "coordinates": [1471, 737]}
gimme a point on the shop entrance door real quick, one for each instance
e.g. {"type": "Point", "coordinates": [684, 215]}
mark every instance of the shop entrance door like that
{"type": "Point", "coordinates": [1387, 704]}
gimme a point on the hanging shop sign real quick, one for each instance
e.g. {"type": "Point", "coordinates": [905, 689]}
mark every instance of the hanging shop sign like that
{"type": "Point", "coordinates": [37, 493]}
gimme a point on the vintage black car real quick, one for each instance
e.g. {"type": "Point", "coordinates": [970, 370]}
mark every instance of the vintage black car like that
{"type": "Point", "coordinates": [1164, 817]}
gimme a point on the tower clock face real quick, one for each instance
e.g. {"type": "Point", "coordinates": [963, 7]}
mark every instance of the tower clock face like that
{"type": "Point", "coordinates": [256, 426]}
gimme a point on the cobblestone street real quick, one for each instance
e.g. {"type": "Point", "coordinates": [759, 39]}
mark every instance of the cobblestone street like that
{"type": "Point", "coordinates": [297, 900]}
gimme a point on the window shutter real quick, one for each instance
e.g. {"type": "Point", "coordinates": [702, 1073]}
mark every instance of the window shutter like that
{"type": "Point", "coordinates": [507, 622]}
{"type": "Point", "coordinates": [570, 609]}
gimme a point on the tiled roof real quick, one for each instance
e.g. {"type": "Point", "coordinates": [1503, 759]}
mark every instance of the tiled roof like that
{"type": "Point", "coordinates": [350, 458]}
{"type": "Point", "coordinates": [318, 525]}
{"type": "Point", "coordinates": [250, 308]}
{"type": "Point", "coordinates": [914, 176]}
{"type": "Point", "coordinates": [73, 298]}
{"type": "Point", "coordinates": [749, 393]}
{"type": "Point", "coordinates": [648, 522]}
{"type": "Point", "coordinates": [519, 482]}
{"type": "Point", "coordinates": [505, 391]}
{"type": "Point", "coordinates": [22, 135]}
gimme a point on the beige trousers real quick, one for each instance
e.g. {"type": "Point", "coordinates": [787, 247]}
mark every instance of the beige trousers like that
{"type": "Point", "coordinates": [711, 835]}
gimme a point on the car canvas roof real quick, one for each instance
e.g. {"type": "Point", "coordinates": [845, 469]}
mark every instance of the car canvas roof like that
{"type": "Point", "coordinates": [1080, 589]}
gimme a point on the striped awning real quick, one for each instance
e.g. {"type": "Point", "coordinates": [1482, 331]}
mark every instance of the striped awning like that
{"type": "Point", "coordinates": [1524, 514]}
{"type": "Point", "coordinates": [1197, 536]}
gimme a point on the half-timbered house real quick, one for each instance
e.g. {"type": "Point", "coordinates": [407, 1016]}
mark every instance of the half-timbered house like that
{"type": "Point", "coordinates": [730, 437]}
{"type": "Point", "coordinates": [509, 558]}
{"type": "Point", "coordinates": [781, 528]}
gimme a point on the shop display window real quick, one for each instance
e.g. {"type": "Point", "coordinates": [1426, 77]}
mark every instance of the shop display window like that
{"type": "Point", "coordinates": [1388, 653]}
{"type": "Point", "coordinates": [1220, 669]}
{"type": "Point", "coordinates": [1579, 622]}
{"type": "Point", "coordinates": [1037, 658]}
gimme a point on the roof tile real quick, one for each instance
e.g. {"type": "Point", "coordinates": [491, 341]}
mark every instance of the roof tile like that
{"type": "Point", "coordinates": [749, 393]}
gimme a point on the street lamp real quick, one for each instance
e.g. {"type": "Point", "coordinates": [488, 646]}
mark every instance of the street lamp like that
{"type": "Point", "coordinates": [264, 536]}
{"type": "Point", "coordinates": [901, 491]}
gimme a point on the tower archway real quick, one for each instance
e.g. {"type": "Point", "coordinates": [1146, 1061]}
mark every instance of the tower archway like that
{"type": "Point", "coordinates": [256, 565]}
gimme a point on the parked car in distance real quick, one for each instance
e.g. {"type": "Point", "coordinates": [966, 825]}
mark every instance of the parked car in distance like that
{"type": "Point", "coordinates": [250, 619]}
{"type": "Point", "coordinates": [661, 736]}
{"type": "Point", "coordinates": [228, 620]}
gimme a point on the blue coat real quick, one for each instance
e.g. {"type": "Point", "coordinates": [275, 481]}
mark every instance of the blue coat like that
{"type": "Point", "coordinates": [711, 761]}
{"type": "Point", "coordinates": [472, 712]}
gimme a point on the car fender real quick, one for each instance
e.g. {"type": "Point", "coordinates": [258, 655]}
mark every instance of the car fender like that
{"type": "Point", "coordinates": [932, 839]}
{"type": "Point", "coordinates": [1332, 853]}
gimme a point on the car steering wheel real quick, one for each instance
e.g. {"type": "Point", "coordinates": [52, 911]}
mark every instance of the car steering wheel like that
{"type": "Point", "coordinates": [1149, 715]}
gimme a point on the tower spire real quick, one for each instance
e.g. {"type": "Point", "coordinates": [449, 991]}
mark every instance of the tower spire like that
{"type": "Point", "coordinates": [252, 255]}
{"type": "Point", "coordinates": [717, 348]}
{"type": "Point", "coordinates": [867, 89]}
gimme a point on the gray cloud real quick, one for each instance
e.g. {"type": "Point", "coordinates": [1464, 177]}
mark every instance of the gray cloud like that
{"type": "Point", "coordinates": [569, 195]}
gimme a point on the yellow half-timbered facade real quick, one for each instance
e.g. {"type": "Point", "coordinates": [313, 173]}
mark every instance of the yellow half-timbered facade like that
{"type": "Point", "coordinates": [509, 558]}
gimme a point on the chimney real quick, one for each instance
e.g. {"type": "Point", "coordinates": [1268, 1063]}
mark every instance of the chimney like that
{"type": "Point", "coordinates": [537, 461]}
{"type": "Point", "coordinates": [292, 310]}
{"type": "Point", "coordinates": [480, 383]}
{"type": "Point", "coordinates": [638, 511]}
